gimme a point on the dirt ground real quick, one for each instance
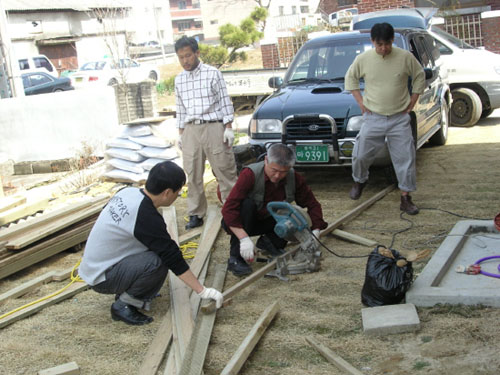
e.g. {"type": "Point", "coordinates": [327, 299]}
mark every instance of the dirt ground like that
{"type": "Point", "coordinates": [462, 177]}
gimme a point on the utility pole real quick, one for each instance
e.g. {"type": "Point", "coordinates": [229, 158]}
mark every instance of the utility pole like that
{"type": "Point", "coordinates": [10, 81]}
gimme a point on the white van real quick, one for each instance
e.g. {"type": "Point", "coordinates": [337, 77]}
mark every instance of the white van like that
{"type": "Point", "coordinates": [473, 74]}
{"type": "Point", "coordinates": [37, 63]}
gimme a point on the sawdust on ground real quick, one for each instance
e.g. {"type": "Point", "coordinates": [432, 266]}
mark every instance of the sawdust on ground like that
{"type": "Point", "coordinates": [463, 177]}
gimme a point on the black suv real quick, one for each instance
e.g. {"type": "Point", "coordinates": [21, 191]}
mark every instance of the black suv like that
{"type": "Point", "coordinates": [312, 112]}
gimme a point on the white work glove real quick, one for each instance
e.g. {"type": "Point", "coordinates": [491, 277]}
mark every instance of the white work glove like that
{"type": "Point", "coordinates": [316, 233]}
{"type": "Point", "coordinates": [229, 136]}
{"type": "Point", "coordinates": [179, 142]}
{"type": "Point", "coordinates": [246, 249]}
{"type": "Point", "coordinates": [211, 293]}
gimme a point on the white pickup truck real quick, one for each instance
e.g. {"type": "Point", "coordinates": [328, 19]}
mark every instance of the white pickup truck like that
{"type": "Point", "coordinates": [247, 88]}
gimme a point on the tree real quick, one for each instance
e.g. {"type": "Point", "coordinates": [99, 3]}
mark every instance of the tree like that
{"type": "Point", "coordinates": [261, 5]}
{"type": "Point", "coordinates": [232, 38]}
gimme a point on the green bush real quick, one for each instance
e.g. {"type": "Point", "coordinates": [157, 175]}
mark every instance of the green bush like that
{"type": "Point", "coordinates": [166, 87]}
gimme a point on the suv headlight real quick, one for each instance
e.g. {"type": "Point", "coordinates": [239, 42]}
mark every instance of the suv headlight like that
{"type": "Point", "coordinates": [265, 126]}
{"type": "Point", "coordinates": [354, 124]}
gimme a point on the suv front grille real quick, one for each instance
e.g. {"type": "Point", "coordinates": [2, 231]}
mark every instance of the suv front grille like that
{"type": "Point", "coordinates": [304, 129]}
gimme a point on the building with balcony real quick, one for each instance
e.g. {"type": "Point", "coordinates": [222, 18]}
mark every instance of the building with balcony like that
{"type": "Point", "coordinates": [186, 18]}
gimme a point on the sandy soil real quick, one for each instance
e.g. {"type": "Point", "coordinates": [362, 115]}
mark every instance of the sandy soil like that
{"type": "Point", "coordinates": [462, 177]}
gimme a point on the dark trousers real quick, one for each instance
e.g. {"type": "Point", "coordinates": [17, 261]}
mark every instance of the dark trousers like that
{"type": "Point", "coordinates": [253, 225]}
{"type": "Point", "coordinates": [137, 278]}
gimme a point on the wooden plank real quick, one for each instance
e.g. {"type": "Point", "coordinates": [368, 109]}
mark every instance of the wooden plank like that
{"type": "Point", "coordinates": [192, 364]}
{"type": "Point", "coordinates": [182, 320]}
{"type": "Point", "coordinates": [10, 202]}
{"type": "Point", "coordinates": [33, 284]}
{"type": "Point", "coordinates": [356, 211]}
{"type": "Point", "coordinates": [16, 229]}
{"type": "Point", "coordinates": [213, 224]}
{"type": "Point", "coordinates": [354, 238]}
{"type": "Point", "coordinates": [73, 289]}
{"type": "Point", "coordinates": [189, 236]}
{"type": "Point", "coordinates": [333, 358]}
{"type": "Point", "coordinates": [26, 209]}
{"type": "Point", "coordinates": [210, 307]}
{"type": "Point", "coordinates": [70, 368]}
{"type": "Point", "coordinates": [157, 348]}
{"type": "Point", "coordinates": [44, 250]}
{"type": "Point", "coordinates": [159, 345]}
{"type": "Point", "coordinates": [243, 352]}
{"type": "Point", "coordinates": [23, 240]}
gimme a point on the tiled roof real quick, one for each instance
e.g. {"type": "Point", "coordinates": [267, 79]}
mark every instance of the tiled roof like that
{"type": "Point", "coordinates": [79, 5]}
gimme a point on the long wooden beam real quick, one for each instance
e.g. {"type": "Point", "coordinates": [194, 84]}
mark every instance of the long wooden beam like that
{"type": "Point", "coordinates": [243, 352]}
{"type": "Point", "coordinates": [32, 284]}
{"type": "Point", "coordinates": [210, 307]}
{"type": "Point", "coordinates": [70, 292]}
{"type": "Point", "coordinates": [356, 211]}
{"type": "Point", "coordinates": [333, 358]}
{"type": "Point", "coordinates": [192, 364]}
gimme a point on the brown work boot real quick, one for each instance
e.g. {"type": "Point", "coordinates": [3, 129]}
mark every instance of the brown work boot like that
{"type": "Point", "coordinates": [356, 190]}
{"type": "Point", "coordinates": [408, 206]}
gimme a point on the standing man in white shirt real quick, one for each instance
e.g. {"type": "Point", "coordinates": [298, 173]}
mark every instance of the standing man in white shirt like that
{"type": "Point", "coordinates": [204, 118]}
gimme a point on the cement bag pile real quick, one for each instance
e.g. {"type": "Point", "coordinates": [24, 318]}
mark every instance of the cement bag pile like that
{"type": "Point", "coordinates": [134, 151]}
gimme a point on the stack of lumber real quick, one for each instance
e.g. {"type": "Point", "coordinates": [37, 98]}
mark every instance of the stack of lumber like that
{"type": "Point", "coordinates": [24, 244]}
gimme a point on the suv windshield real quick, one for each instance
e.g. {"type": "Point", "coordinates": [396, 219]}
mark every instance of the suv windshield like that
{"type": "Point", "coordinates": [328, 61]}
{"type": "Point", "coordinates": [450, 38]}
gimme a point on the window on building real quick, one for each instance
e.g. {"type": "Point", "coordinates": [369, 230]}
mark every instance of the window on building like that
{"type": "Point", "coordinates": [183, 25]}
{"type": "Point", "coordinates": [304, 9]}
{"type": "Point", "coordinates": [342, 3]}
{"type": "Point", "coordinates": [294, 9]}
{"type": "Point", "coordinates": [214, 22]}
{"type": "Point", "coordinates": [282, 10]}
{"type": "Point", "coordinates": [182, 4]}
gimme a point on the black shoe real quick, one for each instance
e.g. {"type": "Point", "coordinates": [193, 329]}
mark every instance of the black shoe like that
{"type": "Point", "coordinates": [408, 206]}
{"type": "Point", "coordinates": [265, 245]}
{"type": "Point", "coordinates": [356, 190]}
{"type": "Point", "coordinates": [194, 221]}
{"type": "Point", "coordinates": [128, 314]}
{"type": "Point", "coordinates": [238, 266]}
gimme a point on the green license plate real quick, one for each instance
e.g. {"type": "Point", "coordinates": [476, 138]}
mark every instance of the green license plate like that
{"type": "Point", "coordinates": [312, 154]}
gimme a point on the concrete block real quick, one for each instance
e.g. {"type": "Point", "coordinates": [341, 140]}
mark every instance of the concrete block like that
{"type": "Point", "coordinates": [24, 167]}
{"type": "Point", "coordinates": [386, 320]}
{"type": "Point", "coordinates": [6, 167]}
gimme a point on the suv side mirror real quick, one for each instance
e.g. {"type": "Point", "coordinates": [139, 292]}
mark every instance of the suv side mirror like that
{"type": "Point", "coordinates": [429, 73]}
{"type": "Point", "coordinates": [275, 82]}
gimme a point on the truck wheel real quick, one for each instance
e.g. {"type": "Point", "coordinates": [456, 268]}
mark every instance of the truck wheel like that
{"type": "Point", "coordinates": [466, 108]}
{"type": "Point", "coordinates": [486, 113]}
{"type": "Point", "coordinates": [440, 137]}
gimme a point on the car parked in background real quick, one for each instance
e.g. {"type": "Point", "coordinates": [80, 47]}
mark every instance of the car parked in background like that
{"type": "Point", "coordinates": [108, 72]}
{"type": "Point", "coordinates": [313, 113]}
{"type": "Point", "coordinates": [37, 63]}
{"type": "Point", "coordinates": [43, 83]}
{"type": "Point", "coordinates": [473, 74]}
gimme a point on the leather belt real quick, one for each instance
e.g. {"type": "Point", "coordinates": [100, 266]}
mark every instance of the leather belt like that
{"type": "Point", "coordinates": [199, 122]}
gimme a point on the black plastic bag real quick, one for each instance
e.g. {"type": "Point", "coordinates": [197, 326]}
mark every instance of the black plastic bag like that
{"type": "Point", "coordinates": [385, 282]}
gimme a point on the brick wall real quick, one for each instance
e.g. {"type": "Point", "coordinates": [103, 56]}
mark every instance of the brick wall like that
{"type": "Point", "coordinates": [365, 6]}
{"type": "Point", "coordinates": [135, 100]}
{"type": "Point", "coordinates": [490, 28]}
{"type": "Point", "coordinates": [270, 58]}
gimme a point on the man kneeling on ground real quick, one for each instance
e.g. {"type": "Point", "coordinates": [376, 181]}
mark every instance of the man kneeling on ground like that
{"type": "Point", "coordinates": [245, 213]}
{"type": "Point", "coordinates": [129, 251]}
